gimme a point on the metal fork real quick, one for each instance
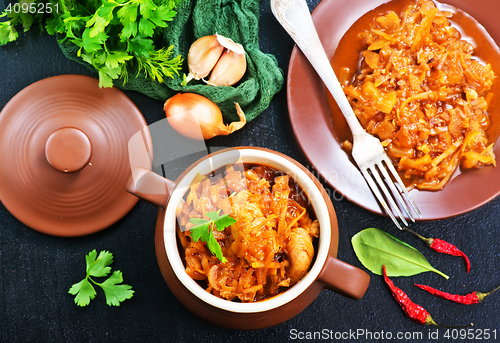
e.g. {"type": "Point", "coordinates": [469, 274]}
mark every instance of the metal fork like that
{"type": "Point", "coordinates": [367, 150]}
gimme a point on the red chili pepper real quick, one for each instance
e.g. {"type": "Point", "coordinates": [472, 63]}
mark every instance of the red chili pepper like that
{"type": "Point", "coordinates": [441, 246]}
{"type": "Point", "coordinates": [412, 310]}
{"type": "Point", "coordinates": [468, 299]}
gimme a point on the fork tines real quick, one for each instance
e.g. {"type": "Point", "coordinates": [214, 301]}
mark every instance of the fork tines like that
{"type": "Point", "coordinates": [378, 172]}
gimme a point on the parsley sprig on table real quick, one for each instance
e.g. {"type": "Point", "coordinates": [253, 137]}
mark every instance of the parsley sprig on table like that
{"type": "Point", "coordinates": [98, 266]}
{"type": "Point", "coordinates": [203, 230]}
{"type": "Point", "coordinates": [114, 36]}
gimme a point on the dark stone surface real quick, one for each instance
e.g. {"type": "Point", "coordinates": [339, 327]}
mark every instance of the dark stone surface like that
{"type": "Point", "coordinates": [37, 270]}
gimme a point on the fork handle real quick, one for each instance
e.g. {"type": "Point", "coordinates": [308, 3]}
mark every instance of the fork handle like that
{"type": "Point", "coordinates": [296, 19]}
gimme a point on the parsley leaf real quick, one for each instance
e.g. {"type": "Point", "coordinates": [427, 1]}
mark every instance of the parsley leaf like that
{"type": "Point", "coordinates": [221, 221]}
{"type": "Point", "coordinates": [128, 14]}
{"type": "Point", "coordinates": [114, 59]}
{"type": "Point", "coordinates": [8, 33]}
{"type": "Point", "coordinates": [114, 292]}
{"type": "Point", "coordinates": [146, 27]}
{"type": "Point", "coordinates": [99, 266]}
{"type": "Point", "coordinates": [215, 248]}
{"type": "Point", "coordinates": [129, 30]}
{"type": "Point", "coordinates": [84, 292]}
{"type": "Point", "coordinates": [140, 46]}
{"type": "Point", "coordinates": [203, 230]}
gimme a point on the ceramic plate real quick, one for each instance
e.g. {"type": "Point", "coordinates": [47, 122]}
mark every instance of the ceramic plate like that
{"type": "Point", "coordinates": [321, 142]}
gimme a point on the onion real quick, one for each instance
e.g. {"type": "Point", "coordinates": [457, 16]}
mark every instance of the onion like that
{"type": "Point", "coordinates": [196, 117]}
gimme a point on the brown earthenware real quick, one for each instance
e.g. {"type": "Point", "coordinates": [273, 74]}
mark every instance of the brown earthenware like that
{"type": "Point", "coordinates": [63, 147]}
{"type": "Point", "coordinates": [320, 137]}
{"type": "Point", "coordinates": [326, 272]}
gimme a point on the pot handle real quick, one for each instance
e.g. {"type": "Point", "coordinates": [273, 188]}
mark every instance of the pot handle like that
{"type": "Point", "coordinates": [150, 186]}
{"type": "Point", "coordinates": [344, 279]}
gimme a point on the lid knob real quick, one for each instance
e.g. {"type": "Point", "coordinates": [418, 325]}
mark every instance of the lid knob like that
{"type": "Point", "coordinates": [68, 150]}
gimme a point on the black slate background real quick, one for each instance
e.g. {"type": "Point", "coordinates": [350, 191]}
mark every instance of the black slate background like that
{"type": "Point", "coordinates": [37, 270]}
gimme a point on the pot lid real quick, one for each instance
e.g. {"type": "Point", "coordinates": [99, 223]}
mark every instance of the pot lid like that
{"type": "Point", "coordinates": [64, 153]}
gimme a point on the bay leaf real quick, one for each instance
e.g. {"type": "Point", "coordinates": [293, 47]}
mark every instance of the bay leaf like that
{"type": "Point", "coordinates": [375, 248]}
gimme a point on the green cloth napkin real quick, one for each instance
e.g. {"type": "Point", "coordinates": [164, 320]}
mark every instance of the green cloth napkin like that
{"type": "Point", "coordinates": [235, 19]}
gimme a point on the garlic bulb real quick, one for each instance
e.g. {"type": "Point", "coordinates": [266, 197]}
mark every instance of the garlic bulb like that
{"type": "Point", "coordinates": [203, 55]}
{"type": "Point", "coordinates": [229, 69]}
{"type": "Point", "coordinates": [217, 56]}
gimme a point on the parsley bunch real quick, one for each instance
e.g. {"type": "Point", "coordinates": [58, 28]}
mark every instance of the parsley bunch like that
{"type": "Point", "coordinates": [98, 266]}
{"type": "Point", "coordinates": [114, 36]}
{"type": "Point", "coordinates": [203, 230]}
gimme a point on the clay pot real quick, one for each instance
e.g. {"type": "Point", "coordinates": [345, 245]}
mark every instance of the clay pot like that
{"type": "Point", "coordinates": [327, 272]}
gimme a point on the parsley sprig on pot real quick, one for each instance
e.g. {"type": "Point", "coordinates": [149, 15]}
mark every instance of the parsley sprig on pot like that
{"type": "Point", "coordinates": [98, 266]}
{"type": "Point", "coordinates": [203, 230]}
{"type": "Point", "coordinates": [114, 36]}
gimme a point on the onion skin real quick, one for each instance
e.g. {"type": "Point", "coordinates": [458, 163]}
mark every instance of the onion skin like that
{"type": "Point", "coordinates": [196, 117]}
